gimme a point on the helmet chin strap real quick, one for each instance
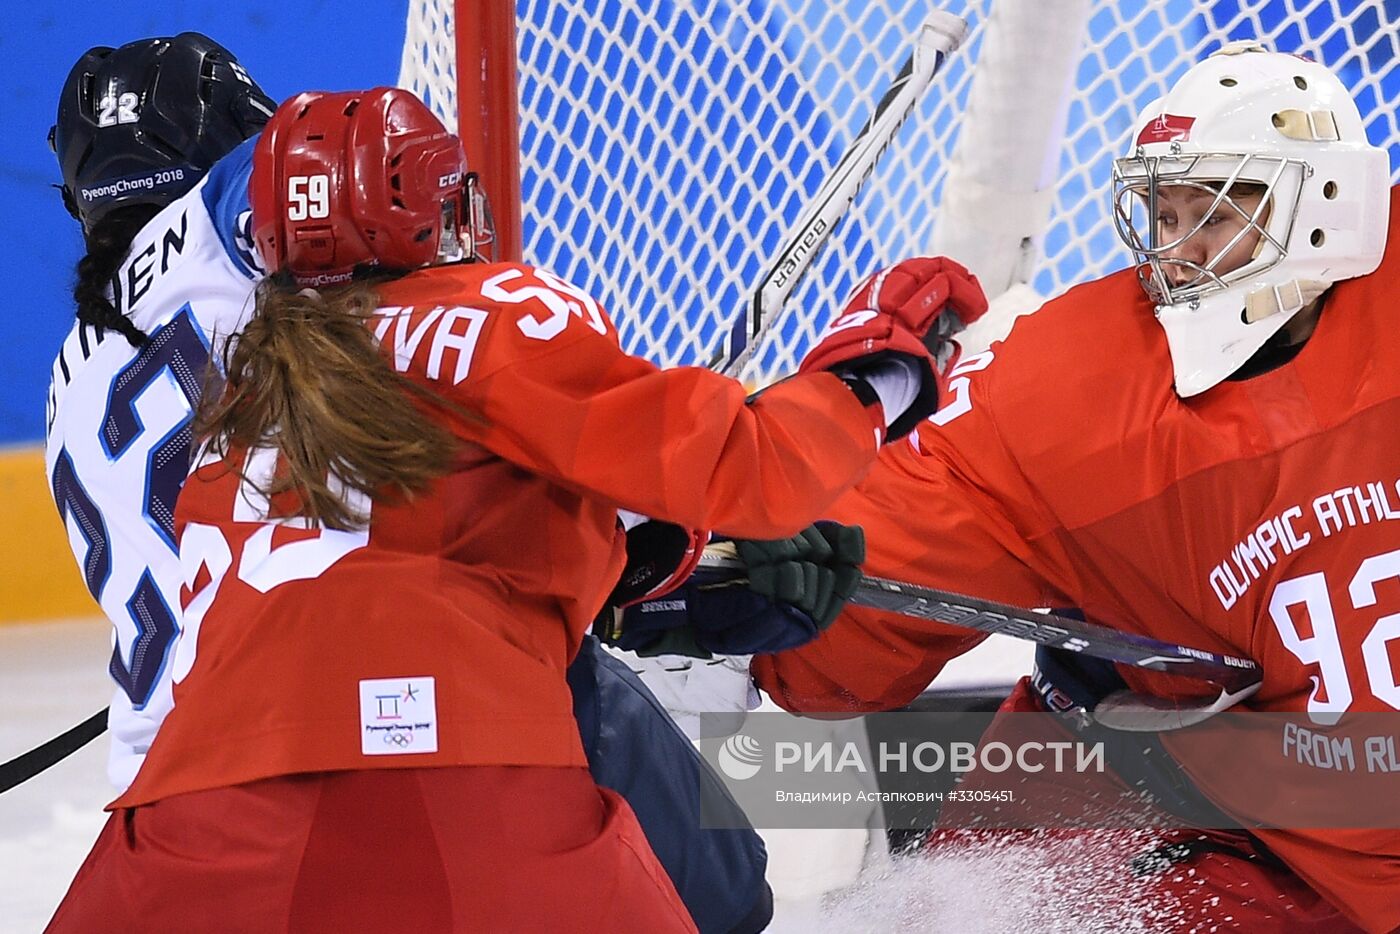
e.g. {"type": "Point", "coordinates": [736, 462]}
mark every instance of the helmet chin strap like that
{"type": "Point", "coordinates": [1285, 298]}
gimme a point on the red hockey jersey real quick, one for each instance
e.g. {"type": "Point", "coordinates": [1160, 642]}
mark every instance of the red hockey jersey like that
{"type": "Point", "coordinates": [1257, 519]}
{"type": "Point", "coordinates": [439, 636]}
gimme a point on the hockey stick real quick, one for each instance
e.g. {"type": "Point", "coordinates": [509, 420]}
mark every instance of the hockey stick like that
{"type": "Point", "coordinates": [24, 767]}
{"type": "Point", "coordinates": [1237, 678]}
{"type": "Point", "coordinates": [940, 34]}
{"type": "Point", "coordinates": [1055, 631]}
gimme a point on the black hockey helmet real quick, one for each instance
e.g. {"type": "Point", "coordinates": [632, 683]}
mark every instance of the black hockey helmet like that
{"type": "Point", "coordinates": [141, 124]}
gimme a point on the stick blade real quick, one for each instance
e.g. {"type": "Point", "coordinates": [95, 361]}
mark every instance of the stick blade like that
{"type": "Point", "coordinates": [1131, 712]}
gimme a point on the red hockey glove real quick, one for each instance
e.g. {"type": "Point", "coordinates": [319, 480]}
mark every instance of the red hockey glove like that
{"type": "Point", "coordinates": [890, 317]}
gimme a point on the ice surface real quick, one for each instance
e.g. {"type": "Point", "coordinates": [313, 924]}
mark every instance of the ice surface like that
{"type": "Point", "coordinates": [1042, 885]}
{"type": "Point", "coordinates": [53, 675]}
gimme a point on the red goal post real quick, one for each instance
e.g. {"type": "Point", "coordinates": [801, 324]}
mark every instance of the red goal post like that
{"type": "Point", "coordinates": [665, 149]}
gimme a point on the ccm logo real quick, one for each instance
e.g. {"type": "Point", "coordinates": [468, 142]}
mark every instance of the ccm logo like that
{"type": "Point", "coordinates": [449, 180]}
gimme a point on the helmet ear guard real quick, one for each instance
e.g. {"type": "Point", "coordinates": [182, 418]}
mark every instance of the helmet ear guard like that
{"type": "Point", "coordinates": [1249, 117]}
{"type": "Point", "coordinates": [142, 123]}
{"type": "Point", "coordinates": [362, 178]}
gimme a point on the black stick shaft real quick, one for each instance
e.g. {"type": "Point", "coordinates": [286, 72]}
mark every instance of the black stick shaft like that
{"type": "Point", "coordinates": [26, 766]}
{"type": "Point", "coordinates": [1055, 631]}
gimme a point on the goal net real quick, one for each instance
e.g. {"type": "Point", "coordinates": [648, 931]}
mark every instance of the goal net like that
{"type": "Point", "coordinates": [666, 149]}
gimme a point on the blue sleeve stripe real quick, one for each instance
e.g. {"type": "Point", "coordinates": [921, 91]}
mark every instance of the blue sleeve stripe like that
{"type": "Point", "coordinates": [226, 199]}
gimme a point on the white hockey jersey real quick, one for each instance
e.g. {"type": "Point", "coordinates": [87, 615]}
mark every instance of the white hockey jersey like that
{"type": "Point", "coordinates": [119, 423]}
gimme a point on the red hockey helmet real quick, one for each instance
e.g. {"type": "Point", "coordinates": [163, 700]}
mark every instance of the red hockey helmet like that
{"type": "Point", "coordinates": [361, 178]}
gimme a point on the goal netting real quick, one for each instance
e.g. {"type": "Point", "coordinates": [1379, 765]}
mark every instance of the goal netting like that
{"type": "Point", "coordinates": [667, 148]}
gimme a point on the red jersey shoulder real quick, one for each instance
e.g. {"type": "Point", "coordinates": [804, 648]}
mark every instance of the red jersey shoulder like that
{"type": "Point", "coordinates": [1095, 335]}
{"type": "Point", "coordinates": [446, 323]}
{"type": "Point", "coordinates": [1063, 370]}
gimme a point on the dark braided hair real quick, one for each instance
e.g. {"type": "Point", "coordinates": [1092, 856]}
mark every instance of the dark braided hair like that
{"type": "Point", "coordinates": [107, 245]}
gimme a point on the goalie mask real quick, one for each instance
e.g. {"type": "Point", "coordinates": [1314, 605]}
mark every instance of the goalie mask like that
{"type": "Point", "coordinates": [362, 179]}
{"type": "Point", "coordinates": [1251, 188]}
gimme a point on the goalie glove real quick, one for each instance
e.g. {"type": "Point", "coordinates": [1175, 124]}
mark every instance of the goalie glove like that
{"type": "Point", "coordinates": [766, 597]}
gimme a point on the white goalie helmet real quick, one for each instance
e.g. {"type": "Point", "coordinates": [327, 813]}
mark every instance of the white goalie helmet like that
{"type": "Point", "coordinates": [1253, 121]}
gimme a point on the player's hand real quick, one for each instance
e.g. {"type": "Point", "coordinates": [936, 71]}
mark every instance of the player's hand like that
{"type": "Point", "coordinates": [882, 334]}
{"type": "Point", "coordinates": [660, 557]}
{"type": "Point", "coordinates": [919, 291]}
{"type": "Point", "coordinates": [816, 571]}
{"type": "Point", "coordinates": [775, 595]}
